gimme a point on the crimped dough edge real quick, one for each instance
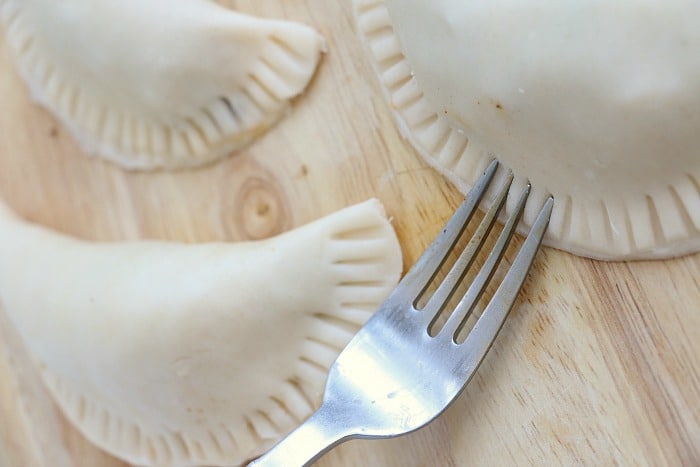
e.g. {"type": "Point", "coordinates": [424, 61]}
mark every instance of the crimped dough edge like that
{"type": "Point", "coordinates": [647, 231]}
{"type": "Point", "coordinates": [204, 134]}
{"type": "Point", "coordinates": [361, 254]}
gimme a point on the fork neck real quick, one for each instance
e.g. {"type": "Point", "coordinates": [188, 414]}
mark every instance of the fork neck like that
{"type": "Point", "coordinates": [323, 430]}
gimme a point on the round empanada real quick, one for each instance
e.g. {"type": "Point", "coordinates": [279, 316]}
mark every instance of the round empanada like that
{"type": "Point", "coordinates": [594, 102]}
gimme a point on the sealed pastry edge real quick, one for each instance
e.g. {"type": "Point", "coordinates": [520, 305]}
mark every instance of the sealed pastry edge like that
{"type": "Point", "coordinates": [448, 151]}
{"type": "Point", "coordinates": [348, 232]}
{"type": "Point", "coordinates": [207, 133]}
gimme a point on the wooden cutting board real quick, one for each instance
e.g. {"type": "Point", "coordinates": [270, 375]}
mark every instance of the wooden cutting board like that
{"type": "Point", "coordinates": [599, 363]}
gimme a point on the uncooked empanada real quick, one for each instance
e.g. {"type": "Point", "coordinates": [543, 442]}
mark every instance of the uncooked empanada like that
{"type": "Point", "coordinates": [203, 354]}
{"type": "Point", "coordinates": [595, 102]}
{"type": "Point", "coordinates": [159, 83]}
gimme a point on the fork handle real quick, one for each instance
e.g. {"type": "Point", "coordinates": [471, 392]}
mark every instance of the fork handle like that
{"type": "Point", "coordinates": [317, 435]}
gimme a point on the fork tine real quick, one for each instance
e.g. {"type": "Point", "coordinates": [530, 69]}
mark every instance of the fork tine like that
{"type": "Point", "coordinates": [424, 269]}
{"type": "Point", "coordinates": [466, 305]}
{"type": "Point", "coordinates": [481, 337]}
{"type": "Point", "coordinates": [454, 277]}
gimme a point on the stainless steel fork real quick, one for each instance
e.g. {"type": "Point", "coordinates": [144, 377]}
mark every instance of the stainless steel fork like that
{"type": "Point", "coordinates": [396, 375]}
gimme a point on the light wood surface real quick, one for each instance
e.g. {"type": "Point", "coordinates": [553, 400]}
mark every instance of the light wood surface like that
{"type": "Point", "coordinates": [599, 363]}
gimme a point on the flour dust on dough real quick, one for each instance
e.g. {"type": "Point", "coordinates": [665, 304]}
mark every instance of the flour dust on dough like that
{"type": "Point", "coordinates": [159, 83]}
{"type": "Point", "coordinates": [594, 102]}
{"type": "Point", "coordinates": [200, 354]}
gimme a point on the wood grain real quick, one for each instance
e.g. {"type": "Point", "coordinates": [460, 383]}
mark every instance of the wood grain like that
{"type": "Point", "coordinates": [599, 363]}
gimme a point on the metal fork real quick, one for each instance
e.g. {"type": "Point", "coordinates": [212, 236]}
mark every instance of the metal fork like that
{"type": "Point", "coordinates": [394, 376]}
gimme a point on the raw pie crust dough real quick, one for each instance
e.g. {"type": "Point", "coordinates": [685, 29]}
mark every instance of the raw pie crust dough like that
{"type": "Point", "coordinates": [169, 354]}
{"type": "Point", "coordinates": [159, 83]}
{"type": "Point", "coordinates": [595, 102]}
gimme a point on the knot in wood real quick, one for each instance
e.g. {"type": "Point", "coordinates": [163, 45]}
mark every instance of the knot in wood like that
{"type": "Point", "coordinates": [261, 210]}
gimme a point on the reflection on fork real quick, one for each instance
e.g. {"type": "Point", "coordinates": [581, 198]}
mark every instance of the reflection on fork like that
{"type": "Point", "coordinates": [400, 372]}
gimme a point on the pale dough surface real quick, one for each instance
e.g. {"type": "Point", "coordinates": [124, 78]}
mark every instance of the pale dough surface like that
{"type": "Point", "coordinates": [597, 103]}
{"type": "Point", "coordinates": [203, 354]}
{"type": "Point", "coordinates": [159, 83]}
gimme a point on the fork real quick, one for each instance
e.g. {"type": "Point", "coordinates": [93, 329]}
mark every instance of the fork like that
{"type": "Point", "coordinates": [395, 375]}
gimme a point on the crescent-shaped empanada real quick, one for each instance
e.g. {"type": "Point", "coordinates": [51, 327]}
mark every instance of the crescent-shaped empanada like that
{"type": "Point", "coordinates": [159, 83]}
{"type": "Point", "coordinates": [204, 354]}
{"type": "Point", "coordinates": [595, 102]}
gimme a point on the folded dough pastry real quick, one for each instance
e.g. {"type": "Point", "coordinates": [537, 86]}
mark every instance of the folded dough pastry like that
{"type": "Point", "coordinates": [159, 83]}
{"type": "Point", "coordinates": [595, 102]}
{"type": "Point", "coordinates": [205, 354]}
